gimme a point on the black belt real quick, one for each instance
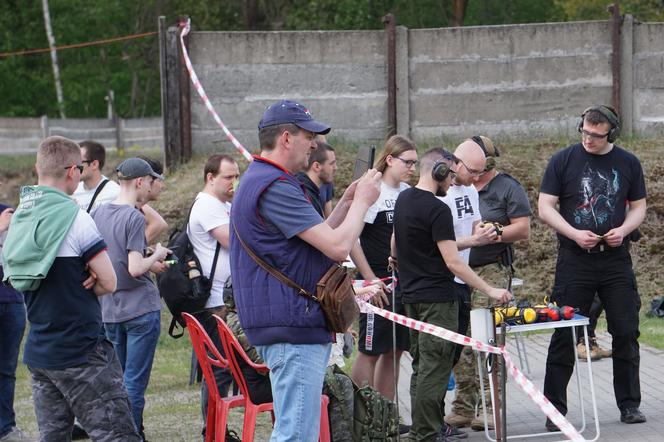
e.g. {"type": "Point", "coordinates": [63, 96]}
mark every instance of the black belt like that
{"type": "Point", "coordinates": [599, 248]}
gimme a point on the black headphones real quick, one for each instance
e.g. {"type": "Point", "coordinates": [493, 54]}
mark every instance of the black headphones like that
{"type": "Point", "coordinates": [611, 115]}
{"type": "Point", "coordinates": [480, 142]}
{"type": "Point", "coordinates": [440, 170]}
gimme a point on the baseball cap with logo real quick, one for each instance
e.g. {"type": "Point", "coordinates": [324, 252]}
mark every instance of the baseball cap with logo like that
{"type": "Point", "coordinates": [287, 111]}
{"type": "Point", "coordinates": [132, 168]}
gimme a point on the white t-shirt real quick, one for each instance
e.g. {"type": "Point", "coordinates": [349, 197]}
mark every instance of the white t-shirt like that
{"type": "Point", "coordinates": [385, 202]}
{"type": "Point", "coordinates": [83, 196]}
{"type": "Point", "coordinates": [464, 203]}
{"type": "Point", "coordinates": [207, 214]}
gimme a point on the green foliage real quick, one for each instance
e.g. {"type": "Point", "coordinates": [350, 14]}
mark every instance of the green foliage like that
{"type": "Point", "coordinates": [131, 68]}
{"type": "Point", "coordinates": [642, 10]}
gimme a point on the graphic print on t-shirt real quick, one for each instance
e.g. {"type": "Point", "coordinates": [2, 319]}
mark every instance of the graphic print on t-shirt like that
{"type": "Point", "coordinates": [597, 197]}
{"type": "Point", "coordinates": [463, 206]}
{"type": "Point", "coordinates": [375, 237]}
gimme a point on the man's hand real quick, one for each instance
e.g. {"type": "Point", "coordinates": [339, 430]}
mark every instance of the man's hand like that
{"type": "Point", "coordinates": [500, 295]}
{"type": "Point", "coordinates": [485, 234]}
{"type": "Point", "coordinates": [380, 298]}
{"type": "Point", "coordinates": [91, 280]}
{"type": "Point", "coordinates": [5, 218]}
{"type": "Point", "coordinates": [614, 237]}
{"type": "Point", "coordinates": [368, 187]}
{"type": "Point", "coordinates": [159, 267]}
{"type": "Point", "coordinates": [586, 239]}
{"type": "Point", "coordinates": [161, 252]}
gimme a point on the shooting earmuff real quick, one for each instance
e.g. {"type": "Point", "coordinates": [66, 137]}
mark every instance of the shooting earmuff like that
{"type": "Point", "coordinates": [611, 115]}
{"type": "Point", "coordinates": [440, 170]}
{"type": "Point", "coordinates": [490, 151]}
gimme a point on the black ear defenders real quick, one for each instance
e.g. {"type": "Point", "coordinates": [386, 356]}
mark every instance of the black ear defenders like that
{"type": "Point", "coordinates": [611, 115]}
{"type": "Point", "coordinates": [480, 142]}
{"type": "Point", "coordinates": [440, 170]}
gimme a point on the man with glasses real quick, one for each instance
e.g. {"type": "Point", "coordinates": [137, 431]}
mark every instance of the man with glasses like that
{"type": "Point", "coordinates": [593, 182]}
{"type": "Point", "coordinates": [74, 369]}
{"type": "Point", "coordinates": [94, 189]}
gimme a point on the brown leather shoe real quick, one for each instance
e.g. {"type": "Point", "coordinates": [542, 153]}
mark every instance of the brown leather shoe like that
{"type": "Point", "coordinates": [458, 420]}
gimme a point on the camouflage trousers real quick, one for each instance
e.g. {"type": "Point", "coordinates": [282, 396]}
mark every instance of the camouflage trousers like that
{"type": "Point", "coordinates": [466, 373]}
{"type": "Point", "coordinates": [93, 393]}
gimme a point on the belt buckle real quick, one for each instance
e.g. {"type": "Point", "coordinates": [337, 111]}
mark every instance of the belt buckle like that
{"type": "Point", "coordinates": [599, 248]}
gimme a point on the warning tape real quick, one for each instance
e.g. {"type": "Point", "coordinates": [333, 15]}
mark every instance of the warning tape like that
{"type": "Point", "coordinates": [521, 380]}
{"type": "Point", "coordinates": [199, 88]}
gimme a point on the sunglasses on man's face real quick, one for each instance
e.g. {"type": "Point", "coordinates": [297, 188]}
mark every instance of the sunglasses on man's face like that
{"type": "Point", "coordinates": [78, 166]}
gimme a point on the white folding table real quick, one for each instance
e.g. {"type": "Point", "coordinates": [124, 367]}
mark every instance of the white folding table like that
{"type": "Point", "coordinates": [577, 321]}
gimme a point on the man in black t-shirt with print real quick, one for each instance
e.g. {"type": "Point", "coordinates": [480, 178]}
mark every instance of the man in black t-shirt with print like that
{"type": "Point", "coordinates": [593, 182]}
{"type": "Point", "coordinates": [425, 247]}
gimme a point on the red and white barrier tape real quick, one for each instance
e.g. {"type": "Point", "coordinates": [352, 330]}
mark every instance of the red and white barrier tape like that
{"type": "Point", "coordinates": [204, 97]}
{"type": "Point", "coordinates": [521, 380]}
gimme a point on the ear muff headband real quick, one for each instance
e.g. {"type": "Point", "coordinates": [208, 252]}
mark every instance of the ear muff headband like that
{"type": "Point", "coordinates": [480, 142]}
{"type": "Point", "coordinates": [440, 170]}
{"type": "Point", "coordinates": [611, 115]}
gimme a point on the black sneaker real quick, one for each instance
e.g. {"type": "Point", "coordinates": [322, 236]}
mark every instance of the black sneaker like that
{"type": "Point", "coordinates": [632, 415]}
{"type": "Point", "coordinates": [550, 426]}
{"type": "Point", "coordinates": [403, 429]}
{"type": "Point", "coordinates": [78, 433]}
{"type": "Point", "coordinates": [231, 436]}
{"type": "Point", "coordinates": [450, 432]}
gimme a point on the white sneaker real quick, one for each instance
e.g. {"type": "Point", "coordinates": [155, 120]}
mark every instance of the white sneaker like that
{"type": "Point", "coordinates": [16, 435]}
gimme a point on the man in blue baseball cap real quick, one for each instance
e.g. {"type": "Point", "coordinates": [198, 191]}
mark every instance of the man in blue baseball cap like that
{"type": "Point", "coordinates": [274, 218]}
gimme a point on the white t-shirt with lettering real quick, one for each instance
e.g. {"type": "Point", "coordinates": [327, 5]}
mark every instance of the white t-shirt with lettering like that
{"type": "Point", "coordinates": [464, 203]}
{"type": "Point", "coordinates": [207, 214]}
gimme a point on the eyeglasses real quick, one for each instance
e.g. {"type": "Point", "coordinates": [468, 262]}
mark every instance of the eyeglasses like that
{"type": "Point", "coordinates": [87, 161]}
{"type": "Point", "coordinates": [593, 135]}
{"type": "Point", "coordinates": [472, 171]}
{"type": "Point", "coordinates": [78, 166]}
{"type": "Point", "coordinates": [408, 163]}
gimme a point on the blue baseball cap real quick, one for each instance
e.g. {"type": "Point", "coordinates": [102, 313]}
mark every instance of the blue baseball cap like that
{"type": "Point", "coordinates": [287, 111]}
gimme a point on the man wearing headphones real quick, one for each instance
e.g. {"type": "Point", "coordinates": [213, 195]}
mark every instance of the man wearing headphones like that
{"type": "Point", "coordinates": [594, 182]}
{"type": "Point", "coordinates": [502, 200]}
{"type": "Point", "coordinates": [425, 246]}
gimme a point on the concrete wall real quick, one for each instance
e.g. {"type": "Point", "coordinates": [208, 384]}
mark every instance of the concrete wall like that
{"type": "Point", "coordinates": [648, 74]}
{"type": "Point", "coordinates": [340, 76]}
{"type": "Point", "coordinates": [506, 79]}
{"type": "Point", "coordinates": [496, 80]}
{"type": "Point", "coordinates": [23, 135]}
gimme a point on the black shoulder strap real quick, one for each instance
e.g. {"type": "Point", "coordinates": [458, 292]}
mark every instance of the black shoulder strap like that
{"type": "Point", "coordinates": [214, 263]}
{"type": "Point", "coordinates": [96, 194]}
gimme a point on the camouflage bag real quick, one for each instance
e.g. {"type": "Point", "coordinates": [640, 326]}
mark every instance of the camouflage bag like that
{"type": "Point", "coordinates": [374, 417]}
{"type": "Point", "coordinates": [339, 388]}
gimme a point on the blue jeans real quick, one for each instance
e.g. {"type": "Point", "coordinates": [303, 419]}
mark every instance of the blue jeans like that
{"type": "Point", "coordinates": [12, 324]}
{"type": "Point", "coordinates": [135, 342]}
{"type": "Point", "coordinates": [296, 373]}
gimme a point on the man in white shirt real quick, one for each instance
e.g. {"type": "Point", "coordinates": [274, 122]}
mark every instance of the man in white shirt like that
{"type": "Point", "coordinates": [209, 227]}
{"type": "Point", "coordinates": [463, 200]}
{"type": "Point", "coordinates": [93, 157]}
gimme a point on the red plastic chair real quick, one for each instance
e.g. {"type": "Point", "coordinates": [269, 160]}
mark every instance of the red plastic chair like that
{"type": "Point", "coordinates": [233, 350]}
{"type": "Point", "coordinates": [208, 356]}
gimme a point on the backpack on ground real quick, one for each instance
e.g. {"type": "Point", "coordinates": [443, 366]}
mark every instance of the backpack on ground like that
{"type": "Point", "coordinates": [181, 293]}
{"type": "Point", "coordinates": [375, 418]}
{"type": "Point", "coordinates": [372, 417]}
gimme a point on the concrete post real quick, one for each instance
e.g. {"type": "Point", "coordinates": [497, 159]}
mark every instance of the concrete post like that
{"type": "Point", "coordinates": [44, 126]}
{"type": "Point", "coordinates": [403, 83]}
{"type": "Point", "coordinates": [627, 75]}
